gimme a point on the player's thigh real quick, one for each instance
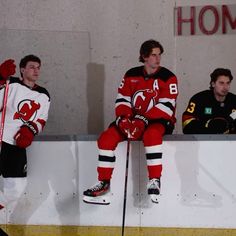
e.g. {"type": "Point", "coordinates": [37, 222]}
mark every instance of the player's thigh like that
{"type": "Point", "coordinates": [153, 134]}
{"type": "Point", "coordinates": [13, 161]}
{"type": "Point", "coordinates": [110, 138]}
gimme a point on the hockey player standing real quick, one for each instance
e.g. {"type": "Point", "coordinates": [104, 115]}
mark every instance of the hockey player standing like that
{"type": "Point", "coordinates": [212, 111]}
{"type": "Point", "coordinates": [145, 110]}
{"type": "Point", "coordinates": [26, 114]}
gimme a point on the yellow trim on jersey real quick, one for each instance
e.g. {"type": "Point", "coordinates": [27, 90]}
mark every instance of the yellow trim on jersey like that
{"type": "Point", "coordinates": [186, 122]}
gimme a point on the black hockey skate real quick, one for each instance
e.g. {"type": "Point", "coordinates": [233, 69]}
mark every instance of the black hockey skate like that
{"type": "Point", "coordinates": [154, 188]}
{"type": "Point", "coordinates": [98, 194]}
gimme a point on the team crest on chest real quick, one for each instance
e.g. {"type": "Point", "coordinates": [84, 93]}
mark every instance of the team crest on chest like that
{"type": "Point", "coordinates": [26, 110]}
{"type": "Point", "coordinates": [208, 111]}
{"type": "Point", "coordinates": [143, 100]}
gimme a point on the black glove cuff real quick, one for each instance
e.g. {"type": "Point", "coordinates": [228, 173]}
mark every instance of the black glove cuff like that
{"type": "Point", "coordinates": [143, 118]}
{"type": "Point", "coordinates": [32, 126]}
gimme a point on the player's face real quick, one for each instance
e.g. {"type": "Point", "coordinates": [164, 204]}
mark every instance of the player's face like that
{"type": "Point", "coordinates": [221, 86]}
{"type": "Point", "coordinates": [31, 71]}
{"type": "Point", "coordinates": [153, 60]}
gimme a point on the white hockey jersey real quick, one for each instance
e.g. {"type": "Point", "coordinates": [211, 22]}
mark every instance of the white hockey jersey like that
{"type": "Point", "coordinates": [24, 104]}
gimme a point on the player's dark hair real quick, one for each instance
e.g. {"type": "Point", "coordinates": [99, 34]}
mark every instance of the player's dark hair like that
{"type": "Point", "coordinates": [28, 58]}
{"type": "Point", "coordinates": [146, 49]}
{"type": "Point", "coordinates": [219, 72]}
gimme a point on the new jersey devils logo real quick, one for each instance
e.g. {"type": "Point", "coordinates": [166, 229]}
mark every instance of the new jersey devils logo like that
{"type": "Point", "coordinates": [143, 100]}
{"type": "Point", "coordinates": [27, 110]}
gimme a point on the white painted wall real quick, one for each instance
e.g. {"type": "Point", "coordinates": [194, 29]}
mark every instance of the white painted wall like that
{"type": "Point", "coordinates": [198, 186]}
{"type": "Point", "coordinates": [87, 45]}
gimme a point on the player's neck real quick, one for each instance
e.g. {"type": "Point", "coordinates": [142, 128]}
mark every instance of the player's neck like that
{"type": "Point", "coordinates": [219, 98]}
{"type": "Point", "coordinates": [29, 83]}
{"type": "Point", "coordinates": [149, 70]}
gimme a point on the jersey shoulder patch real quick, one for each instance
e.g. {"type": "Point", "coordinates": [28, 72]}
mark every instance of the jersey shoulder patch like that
{"type": "Point", "coordinates": [164, 74]}
{"type": "Point", "coordinates": [203, 96]}
{"type": "Point", "coordinates": [231, 96]}
{"type": "Point", "coordinates": [42, 90]}
{"type": "Point", "coordinates": [15, 80]}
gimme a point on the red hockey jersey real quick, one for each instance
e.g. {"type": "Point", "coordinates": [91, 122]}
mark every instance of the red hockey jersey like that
{"type": "Point", "coordinates": [153, 96]}
{"type": "Point", "coordinates": [24, 104]}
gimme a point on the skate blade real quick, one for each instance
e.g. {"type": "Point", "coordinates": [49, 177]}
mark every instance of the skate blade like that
{"type": "Point", "coordinates": [102, 200]}
{"type": "Point", "coordinates": [154, 198]}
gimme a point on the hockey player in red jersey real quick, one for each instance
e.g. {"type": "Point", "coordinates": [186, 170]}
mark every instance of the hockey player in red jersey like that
{"type": "Point", "coordinates": [212, 111]}
{"type": "Point", "coordinates": [26, 114]}
{"type": "Point", "coordinates": [145, 110]}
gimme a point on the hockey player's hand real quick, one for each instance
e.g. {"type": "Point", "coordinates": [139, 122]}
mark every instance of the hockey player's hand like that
{"type": "Point", "coordinates": [124, 124]}
{"type": "Point", "coordinates": [138, 126]}
{"type": "Point", "coordinates": [218, 125]}
{"type": "Point", "coordinates": [25, 135]}
{"type": "Point", "coordinates": [7, 68]}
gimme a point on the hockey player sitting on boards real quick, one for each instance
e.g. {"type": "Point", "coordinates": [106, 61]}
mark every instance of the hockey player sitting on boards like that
{"type": "Point", "coordinates": [26, 114]}
{"type": "Point", "coordinates": [145, 110]}
{"type": "Point", "coordinates": [212, 111]}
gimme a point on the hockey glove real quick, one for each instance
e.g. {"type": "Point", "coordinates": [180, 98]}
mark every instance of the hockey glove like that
{"type": "Point", "coordinates": [124, 125]}
{"type": "Point", "coordinates": [25, 135]}
{"type": "Point", "coordinates": [232, 119]}
{"type": "Point", "coordinates": [218, 125]}
{"type": "Point", "coordinates": [7, 68]}
{"type": "Point", "coordinates": [138, 126]}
